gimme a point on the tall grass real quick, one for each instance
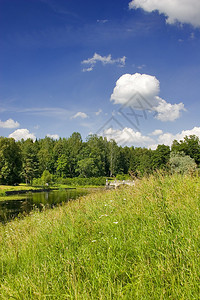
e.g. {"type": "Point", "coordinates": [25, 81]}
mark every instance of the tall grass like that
{"type": "Point", "coordinates": [137, 242]}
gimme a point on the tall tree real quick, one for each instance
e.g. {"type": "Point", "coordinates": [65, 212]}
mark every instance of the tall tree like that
{"type": "Point", "coordinates": [74, 146]}
{"type": "Point", "coordinates": [63, 166]}
{"type": "Point", "coordinates": [45, 155]}
{"type": "Point", "coordinates": [190, 146]}
{"type": "Point", "coordinates": [30, 160]}
{"type": "Point", "coordinates": [10, 161]}
{"type": "Point", "coordinates": [113, 157]}
{"type": "Point", "coordinates": [160, 157]}
{"type": "Point", "coordinates": [142, 161]}
{"type": "Point", "coordinates": [87, 168]}
{"type": "Point", "coordinates": [123, 161]}
{"type": "Point", "coordinates": [97, 151]}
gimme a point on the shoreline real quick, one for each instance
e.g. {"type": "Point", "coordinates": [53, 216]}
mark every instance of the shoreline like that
{"type": "Point", "coordinates": [7, 193]}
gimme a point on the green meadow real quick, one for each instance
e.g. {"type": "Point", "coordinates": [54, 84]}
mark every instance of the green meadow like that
{"type": "Point", "coordinates": [138, 242]}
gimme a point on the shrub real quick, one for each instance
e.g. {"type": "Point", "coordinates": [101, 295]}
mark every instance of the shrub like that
{"type": "Point", "coordinates": [181, 163]}
{"type": "Point", "coordinates": [82, 181]}
{"type": "Point", "coordinates": [123, 177]}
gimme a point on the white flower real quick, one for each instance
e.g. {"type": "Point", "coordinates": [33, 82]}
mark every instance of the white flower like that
{"type": "Point", "coordinates": [115, 222]}
{"type": "Point", "coordinates": [103, 216]}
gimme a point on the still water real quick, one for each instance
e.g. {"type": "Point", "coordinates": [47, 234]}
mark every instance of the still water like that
{"type": "Point", "coordinates": [10, 209]}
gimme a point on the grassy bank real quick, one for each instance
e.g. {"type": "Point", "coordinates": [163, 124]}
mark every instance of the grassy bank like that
{"type": "Point", "coordinates": [9, 188]}
{"type": "Point", "coordinates": [4, 189]}
{"type": "Point", "coordinates": [138, 242]}
{"type": "Point", "coordinates": [18, 188]}
{"type": "Point", "coordinates": [21, 186]}
{"type": "Point", "coordinates": [12, 192]}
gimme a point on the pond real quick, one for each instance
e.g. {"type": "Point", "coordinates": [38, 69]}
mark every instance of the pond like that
{"type": "Point", "coordinates": [24, 204]}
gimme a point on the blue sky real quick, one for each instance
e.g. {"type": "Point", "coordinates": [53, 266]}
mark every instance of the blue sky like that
{"type": "Point", "coordinates": [70, 66]}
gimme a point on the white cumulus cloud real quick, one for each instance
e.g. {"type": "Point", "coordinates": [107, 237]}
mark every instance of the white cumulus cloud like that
{"type": "Point", "coordinates": [168, 138]}
{"type": "Point", "coordinates": [141, 91]}
{"type": "Point", "coordinates": [183, 11]}
{"type": "Point", "coordinates": [156, 132]}
{"type": "Point", "coordinates": [81, 115]}
{"type": "Point", "coordinates": [91, 62]}
{"type": "Point", "coordinates": [127, 136]}
{"type": "Point", "coordinates": [22, 134]}
{"type": "Point", "coordinates": [53, 136]}
{"type": "Point", "coordinates": [167, 111]}
{"type": "Point", "coordinates": [10, 123]}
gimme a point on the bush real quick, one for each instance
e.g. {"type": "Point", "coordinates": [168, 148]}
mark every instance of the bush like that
{"type": "Point", "coordinates": [123, 177]}
{"type": "Point", "coordinates": [80, 181]}
{"type": "Point", "coordinates": [181, 163]}
{"type": "Point", "coordinates": [37, 182]}
{"type": "Point", "coordinates": [46, 179]}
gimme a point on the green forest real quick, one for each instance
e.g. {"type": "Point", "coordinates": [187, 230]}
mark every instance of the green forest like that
{"type": "Point", "coordinates": [27, 160]}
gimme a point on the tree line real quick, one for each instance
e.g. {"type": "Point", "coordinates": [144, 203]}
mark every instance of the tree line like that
{"type": "Point", "coordinates": [22, 161]}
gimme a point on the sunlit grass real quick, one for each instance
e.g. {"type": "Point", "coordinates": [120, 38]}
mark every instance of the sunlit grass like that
{"type": "Point", "coordinates": [16, 188]}
{"type": "Point", "coordinates": [137, 242]}
{"type": "Point", "coordinates": [13, 197]}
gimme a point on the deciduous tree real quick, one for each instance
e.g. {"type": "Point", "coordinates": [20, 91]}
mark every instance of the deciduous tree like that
{"type": "Point", "coordinates": [10, 161]}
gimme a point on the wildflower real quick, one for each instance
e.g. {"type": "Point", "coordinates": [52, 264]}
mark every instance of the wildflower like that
{"type": "Point", "coordinates": [115, 222]}
{"type": "Point", "coordinates": [103, 216]}
{"type": "Point", "coordinates": [94, 241]}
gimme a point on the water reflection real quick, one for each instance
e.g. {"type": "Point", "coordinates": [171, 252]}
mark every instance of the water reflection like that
{"type": "Point", "coordinates": [14, 208]}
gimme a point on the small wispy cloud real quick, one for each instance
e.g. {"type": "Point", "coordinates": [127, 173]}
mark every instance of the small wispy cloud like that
{"type": "Point", "coordinates": [44, 111]}
{"type": "Point", "coordinates": [87, 69]}
{"type": "Point", "coordinates": [102, 21]}
{"type": "Point", "coordinates": [141, 67]}
{"type": "Point", "coordinates": [97, 113]}
{"type": "Point", "coordinates": [192, 36]}
{"type": "Point", "coordinates": [105, 60]}
{"type": "Point", "coordinates": [156, 132]}
{"type": "Point", "coordinates": [57, 8]}
{"type": "Point", "coordinates": [80, 114]}
{"type": "Point", "coordinates": [53, 136]}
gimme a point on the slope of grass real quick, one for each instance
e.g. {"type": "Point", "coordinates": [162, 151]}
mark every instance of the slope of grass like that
{"type": "Point", "coordinates": [137, 242]}
{"type": "Point", "coordinates": [10, 188]}
{"type": "Point", "coordinates": [24, 187]}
